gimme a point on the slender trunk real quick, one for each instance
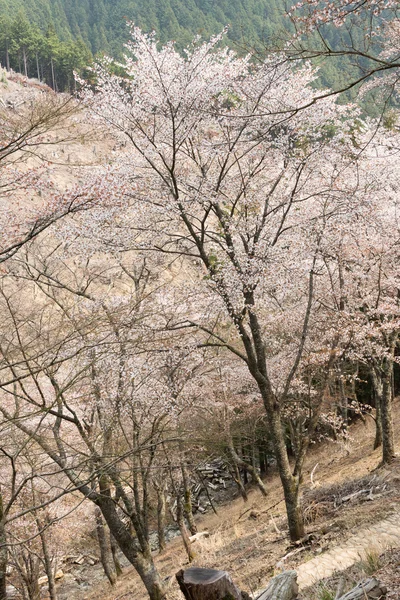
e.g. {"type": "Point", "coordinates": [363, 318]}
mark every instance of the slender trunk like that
{"type": "Point", "coordinates": [32, 577]}
{"type": "Point", "coordinates": [7, 58]}
{"type": "Point", "coordinates": [52, 74]}
{"type": "Point", "coordinates": [3, 553]}
{"type": "Point", "coordinates": [238, 480]}
{"type": "Point", "coordinates": [37, 66]}
{"type": "Point", "coordinates": [182, 528]}
{"type": "Point", "coordinates": [161, 517]}
{"type": "Point", "coordinates": [114, 547]}
{"type": "Point", "coordinates": [48, 563]}
{"type": "Point", "coordinates": [377, 390]}
{"type": "Point", "coordinates": [25, 62]}
{"type": "Point", "coordinates": [247, 467]}
{"type": "Point", "coordinates": [243, 469]}
{"type": "Point", "coordinates": [290, 483]}
{"type": "Point", "coordinates": [141, 560]}
{"type": "Point", "coordinates": [205, 488]}
{"type": "Point", "coordinates": [262, 457]}
{"type": "Point", "coordinates": [105, 548]}
{"type": "Point", "coordinates": [343, 400]}
{"type": "Point", "coordinates": [187, 494]}
{"type": "Point", "coordinates": [388, 453]}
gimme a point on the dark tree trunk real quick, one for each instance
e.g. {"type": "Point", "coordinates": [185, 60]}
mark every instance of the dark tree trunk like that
{"type": "Point", "coordinates": [48, 563]}
{"type": "Point", "coordinates": [290, 483]}
{"type": "Point", "coordinates": [182, 528]}
{"type": "Point", "coordinates": [3, 553]}
{"type": "Point", "coordinates": [161, 516]}
{"type": "Point", "coordinates": [388, 452]}
{"type": "Point", "coordinates": [377, 389]}
{"type": "Point", "coordinates": [187, 494]}
{"type": "Point", "coordinates": [105, 548]}
{"type": "Point", "coordinates": [247, 468]}
{"type": "Point", "coordinates": [141, 559]}
{"type": "Point", "coordinates": [262, 457]}
{"type": "Point", "coordinates": [238, 480]}
{"type": "Point", "coordinates": [207, 584]}
{"type": "Point", "coordinates": [114, 548]}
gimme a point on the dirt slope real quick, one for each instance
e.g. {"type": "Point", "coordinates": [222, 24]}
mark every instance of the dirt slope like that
{"type": "Point", "coordinates": [250, 540]}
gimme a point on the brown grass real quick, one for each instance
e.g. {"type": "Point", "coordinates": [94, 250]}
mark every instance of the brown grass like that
{"type": "Point", "coordinates": [250, 548]}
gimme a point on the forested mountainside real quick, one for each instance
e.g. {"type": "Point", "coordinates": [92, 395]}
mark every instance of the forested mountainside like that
{"type": "Point", "coordinates": [49, 39]}
{"type": "Point", "coordinates": [101, 24]}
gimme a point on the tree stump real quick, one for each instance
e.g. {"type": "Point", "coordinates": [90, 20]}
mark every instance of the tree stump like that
{"type": "Point", "coordinates": [207, 584]}
{"type": "Point", "coordinates": [282, 587]}
{"type": "Point", "coordinates": [369, 589]}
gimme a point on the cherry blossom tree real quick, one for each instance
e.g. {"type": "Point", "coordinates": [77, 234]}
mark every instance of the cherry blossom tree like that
{"type": "Point", "coordinates": [224, 170]}
{"type": "Point", "coordinates": [363, 289]}
{"type": "Point", "coordinates": [77, 382]}
{"type": "Point", "coordinates": [30, 201]}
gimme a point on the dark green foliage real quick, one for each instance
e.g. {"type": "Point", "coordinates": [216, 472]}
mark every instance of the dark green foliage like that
{"type": "Point", "coordinates": [33, 46]}
{"type": "Point", "coordinates": [53, 38]}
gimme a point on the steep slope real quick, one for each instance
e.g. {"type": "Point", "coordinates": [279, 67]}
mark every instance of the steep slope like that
{"type": "Point", "coordinates": [102, 23]}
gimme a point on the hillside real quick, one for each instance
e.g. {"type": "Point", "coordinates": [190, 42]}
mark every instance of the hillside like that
{"type": "Point", "coordinates": [126, 372]}
{"type": "Point", "coordinates": [49, 39]}
{"type": "Point", "coordinates": [101, 23]}
{"type": "Point", "coordinates": [250, 539]}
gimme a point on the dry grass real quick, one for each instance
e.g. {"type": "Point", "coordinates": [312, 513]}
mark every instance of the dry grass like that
{"type": "Point", "coordinates": [385, 567]}
{"type": "Point", "coordinates": [251, 548]}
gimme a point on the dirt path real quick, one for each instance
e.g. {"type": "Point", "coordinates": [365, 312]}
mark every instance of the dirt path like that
{"type": "Point", "coordinates": [378, 537]}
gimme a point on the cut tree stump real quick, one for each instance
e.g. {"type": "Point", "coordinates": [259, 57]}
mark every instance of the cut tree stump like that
{"type": "Point", "coordinates": [208, 584]}
{"type": "Point", "coordinates": [281, 587]}
{"type": "Point", "coordinates": [369, 589]}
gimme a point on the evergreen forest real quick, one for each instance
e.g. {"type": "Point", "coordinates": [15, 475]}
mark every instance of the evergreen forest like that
{"type": "Point", "coordinates": [50, 39]}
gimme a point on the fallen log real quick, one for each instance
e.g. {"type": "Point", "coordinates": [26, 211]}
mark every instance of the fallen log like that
{"type": "Point", "coordinates": [208, 584]}
{"type": "Point", "coordinates": [369, 589]}
{"type": "Point", "coordinates": [281, 587]}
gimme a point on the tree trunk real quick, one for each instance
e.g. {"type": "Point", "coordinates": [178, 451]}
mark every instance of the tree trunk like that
{"type": "Point", "coordinates": [161, 514]}
{"type": "Point", "coordinates": [386, 414]}
{"type": "Point", "coordinates": [182, 528]}
{"type": "Point", "coordinates": [207, 584]}
{"type": "Point", "coordinates": [105, 548]}
{"type": "Point", "coordinates": [289, 482]}
{"type": "Point", "coordinates": [141, 560]}
{"type": "Point", "coordinates": [378, 389]}
{"type": "Point", "coordinates": [37, 66]}
{"type": "Point", "coordinates": [343, 400]}
{"type": "Point", "coordinates": [3, 553]}
{"type": "Point", "coordinates": [7, 58]}
{"type": "Point", "coordinates": [48, 563]}
{"type": "Point", "coordinates": [32, 577]}
{"type": "Point", "coordinates": [263, 460]}
{"type": "Point", "coordinates": [53, 75]}
{"type": "Point", "coordinates": [238, 480]}
{"type": "Point", "coordinates": [247, 467]}
{"type": "Point", "coordinates": [187, 494]}
{"type": "Point", "coordinates": [117, 564]}
{"type": "Point", "coordinates": [282, 587]}
{"type": "Point", "coordinates": [25, 62]}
